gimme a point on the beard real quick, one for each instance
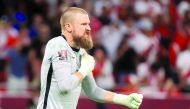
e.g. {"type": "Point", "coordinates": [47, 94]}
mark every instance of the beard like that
{"type": "Point", "coordinates": [84, 42]}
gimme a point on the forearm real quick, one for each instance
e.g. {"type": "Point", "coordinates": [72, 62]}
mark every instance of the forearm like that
{"type": "Point", "coordinates": [109, 96]}
{"type": "Point", "coordinates": [104, 96]}
{"type": "Point", "coordinates": [97, 94]}
{"type": "Point", "coordinates": [66, 79]}
{"type": "Point", "coordinates": [75, 80]}
{"type": "Point", "coordinates": [94, 92]}
{"type": "Point", "coordinates": [68, 82]}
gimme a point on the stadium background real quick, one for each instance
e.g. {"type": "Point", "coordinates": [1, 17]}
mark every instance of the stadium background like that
{"type": "Point", "coordinates": [140, 46]}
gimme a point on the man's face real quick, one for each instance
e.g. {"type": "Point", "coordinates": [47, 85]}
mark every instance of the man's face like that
{"type": "Point", "coordinates": [82, 31]}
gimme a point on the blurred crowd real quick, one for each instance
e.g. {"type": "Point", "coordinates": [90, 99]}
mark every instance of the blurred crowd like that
{"type": "Point", "coordinates": [139, 45]}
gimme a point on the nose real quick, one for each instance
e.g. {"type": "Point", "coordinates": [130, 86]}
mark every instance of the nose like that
{"type": "Point", "coordinates": [88, 27]}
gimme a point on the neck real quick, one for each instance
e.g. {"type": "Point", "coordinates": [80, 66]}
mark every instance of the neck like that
{"type": "Point", "coordinates": [69, 39]}
{"type": "Point", "coordinates": [73, 45]}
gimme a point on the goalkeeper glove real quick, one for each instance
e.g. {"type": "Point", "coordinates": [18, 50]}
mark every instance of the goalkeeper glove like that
{"type": "Point", "coordinates": [87, 64]}
{"type": "Point", "coordinates": [132, 101]}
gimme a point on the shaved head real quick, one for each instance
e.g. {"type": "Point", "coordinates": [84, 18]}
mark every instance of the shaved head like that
{"type": "Point", "coordinates": [75, 26]}
{"type": "Point", "coordinates": [69, 15]}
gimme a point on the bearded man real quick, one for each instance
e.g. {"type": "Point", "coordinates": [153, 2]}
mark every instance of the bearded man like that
{"type": "Point", "coordinates": [67, 67]}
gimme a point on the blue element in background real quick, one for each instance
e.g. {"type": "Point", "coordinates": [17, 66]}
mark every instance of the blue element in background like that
{"type": "Point", "coordinates": [21, 17]}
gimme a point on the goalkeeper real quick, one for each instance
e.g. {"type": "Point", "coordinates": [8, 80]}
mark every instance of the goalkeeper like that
{"type": "Point", "coordinates": [67, 68]}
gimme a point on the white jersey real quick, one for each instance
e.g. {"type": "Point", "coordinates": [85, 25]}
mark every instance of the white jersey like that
{"type": "Point", "coordinates": [60, 89]}
{"type": "Point", "coordinates": [58, 53]}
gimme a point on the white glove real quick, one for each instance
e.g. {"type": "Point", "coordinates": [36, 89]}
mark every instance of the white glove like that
{"type": "Point", "coordinates": [132, 101]}
{"type": "Point", "coordinates": [87, 64]}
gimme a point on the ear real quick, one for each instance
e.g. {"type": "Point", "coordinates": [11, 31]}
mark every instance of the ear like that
{"type": "Point", "coordinates": [68, 27]}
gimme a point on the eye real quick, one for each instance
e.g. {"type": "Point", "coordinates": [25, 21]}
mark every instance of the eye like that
{"type": "Point", "coordinates": [84, 24]}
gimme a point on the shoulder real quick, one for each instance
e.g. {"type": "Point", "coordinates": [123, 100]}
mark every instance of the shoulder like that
{"type": "Point", "coordinates": [57, 42]}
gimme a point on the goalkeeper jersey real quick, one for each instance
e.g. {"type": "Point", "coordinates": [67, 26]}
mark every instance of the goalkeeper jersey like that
{"type": "Point", "coordinates": [60, 89]}
{"type": "Point", "coordinates": [58, 64]}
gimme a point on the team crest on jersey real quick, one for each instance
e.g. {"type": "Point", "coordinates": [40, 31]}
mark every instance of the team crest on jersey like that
{"type": "Point", "coordinates": [63, 55]}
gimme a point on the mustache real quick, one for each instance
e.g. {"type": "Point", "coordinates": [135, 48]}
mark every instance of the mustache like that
{"type": "Point", "coordinates": [87, 33]}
